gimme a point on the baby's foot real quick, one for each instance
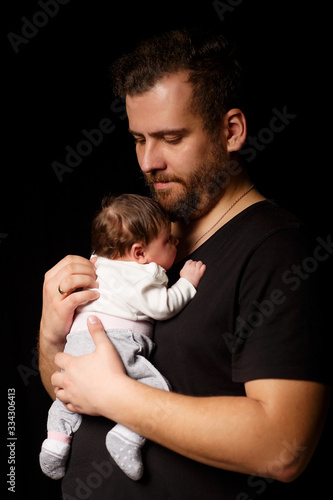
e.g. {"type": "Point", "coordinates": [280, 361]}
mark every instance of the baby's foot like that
{"type": "Point", "coordinates": [53, 458]}
{"type": "Point", "coordinates": [126, 454]}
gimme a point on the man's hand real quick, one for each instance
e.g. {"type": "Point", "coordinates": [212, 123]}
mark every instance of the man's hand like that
{"type": "Point", "coordinates": [193, 271]}
{"type": "Point", "coordinates": [87, 380]}
{"type": "Point", "coordinates": [70, 274]}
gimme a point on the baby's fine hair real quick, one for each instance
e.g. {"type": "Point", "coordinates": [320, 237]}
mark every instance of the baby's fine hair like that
{"type": "Point", "coordinates": [126, 219]}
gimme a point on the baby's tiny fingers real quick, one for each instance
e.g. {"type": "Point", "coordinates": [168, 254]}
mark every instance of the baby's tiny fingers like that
{"type": "Point", "coordinates": [202, 268]}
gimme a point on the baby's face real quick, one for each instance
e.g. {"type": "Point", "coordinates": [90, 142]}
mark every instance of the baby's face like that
{"type": "Point", "coordinates": [162, 249]}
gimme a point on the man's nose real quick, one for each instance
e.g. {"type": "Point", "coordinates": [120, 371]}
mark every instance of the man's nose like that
{"type": "Point", "coordinates": [151, 157]}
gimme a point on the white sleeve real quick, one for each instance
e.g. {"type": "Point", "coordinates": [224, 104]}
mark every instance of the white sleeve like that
{"type": "Point", "coordinates": [159, 302]}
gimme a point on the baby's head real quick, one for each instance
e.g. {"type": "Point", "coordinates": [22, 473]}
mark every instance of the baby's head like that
{"type": "Point", "coordinates": [133, 228]}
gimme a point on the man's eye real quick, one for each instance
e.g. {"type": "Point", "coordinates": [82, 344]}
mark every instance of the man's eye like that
{"type": "Point", "coordinates": [139, 140]}
{"type": "Point", "coordinates": [173, 140]}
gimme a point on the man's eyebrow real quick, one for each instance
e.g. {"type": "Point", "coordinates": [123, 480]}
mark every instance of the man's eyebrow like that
{"type": "Point", "coordinates": [160, 133]}
{"type": "Point", "coordinates": [133, 132]}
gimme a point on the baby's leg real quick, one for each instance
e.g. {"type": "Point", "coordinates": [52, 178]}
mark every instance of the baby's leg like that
{"type": "Point", "coordinates": [123, 444]}
{"type": "Point", "coordinates": [61, 424]}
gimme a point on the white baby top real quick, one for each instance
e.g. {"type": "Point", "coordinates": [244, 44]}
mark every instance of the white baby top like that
{"type": "Point", "coordinates": [137, 292]}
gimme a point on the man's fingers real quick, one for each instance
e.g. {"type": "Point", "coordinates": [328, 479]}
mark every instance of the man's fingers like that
{"type": "Point", "coordinates": [56, 381]}
{"type": "Point", "coordinates": [96, 330]}
{"type": "Point", "coordinates": [70, 283]}
{"type": "Point", "coordinates": [100, 338]}
{"type": "Point", "coordinates": [79, 298]}
{"type": "Point", "coordinates": [60, 360]}
{"type": "Point", "coordinates": [68, 261]}
{"type": "Point", "coordinates": [75, 276]}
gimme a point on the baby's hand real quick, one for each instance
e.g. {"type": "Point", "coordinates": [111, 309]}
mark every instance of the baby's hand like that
{"type": "Point", "coordinates": [193, 271]}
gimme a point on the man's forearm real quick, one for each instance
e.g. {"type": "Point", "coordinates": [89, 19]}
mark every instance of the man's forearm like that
{"type": "Point", "coordinates": [235, 433]}
{"type": "Point", "coordinates": [47, 352]}
{"type": "Point", "coordinates": [272, 431]}
{"type": "Point", "coordinates": [203, 429]}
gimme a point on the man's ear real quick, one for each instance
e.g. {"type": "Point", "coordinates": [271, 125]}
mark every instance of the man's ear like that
{"type": "Point", "coordinates": [235, 129]}
{"type": "Point", "coordinates": [137, 253]}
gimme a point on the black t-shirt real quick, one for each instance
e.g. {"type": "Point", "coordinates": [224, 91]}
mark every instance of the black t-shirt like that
{"type": "Point", "coordinates": [256, 315]}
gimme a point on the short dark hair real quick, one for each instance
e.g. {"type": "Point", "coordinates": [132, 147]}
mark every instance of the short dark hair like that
{"type": "Point", "coordinates": [126, 219]}
{"type": "Point", "coordinates": [214, 70]}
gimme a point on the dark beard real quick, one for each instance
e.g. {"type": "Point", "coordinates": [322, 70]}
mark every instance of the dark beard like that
{"type": "Point", "coordinates": [202, 189]}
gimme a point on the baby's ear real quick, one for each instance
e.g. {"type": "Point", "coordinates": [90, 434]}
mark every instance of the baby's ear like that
{"type": "Point", "coordinates": [138, 253]}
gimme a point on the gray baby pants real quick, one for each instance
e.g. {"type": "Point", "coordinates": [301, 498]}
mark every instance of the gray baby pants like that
{"type": "Point", "coordinates": [123, 444]}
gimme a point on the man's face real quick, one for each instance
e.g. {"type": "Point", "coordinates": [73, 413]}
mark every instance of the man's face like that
{"type": "Point", "coordinates": [180, 163]}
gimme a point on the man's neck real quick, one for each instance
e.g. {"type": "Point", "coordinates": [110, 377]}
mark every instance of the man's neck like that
{"type": "Point", "coordinates": [193, 233]}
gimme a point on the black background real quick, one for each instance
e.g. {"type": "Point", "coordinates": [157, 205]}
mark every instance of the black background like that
{"type": "Point", "coordinates": [58, 84]}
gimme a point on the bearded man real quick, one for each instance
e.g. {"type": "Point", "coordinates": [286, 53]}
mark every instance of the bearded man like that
{"type": "Point", "coordinates": [244, 357]}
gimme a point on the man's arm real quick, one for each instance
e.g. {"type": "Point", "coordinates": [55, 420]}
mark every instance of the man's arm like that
{"type": "Point", "coordinates": [271, 432]}
{"type": "Point", "coordinates": [71, 273]}
{"type": "Point", "coordinates": [274, 436]}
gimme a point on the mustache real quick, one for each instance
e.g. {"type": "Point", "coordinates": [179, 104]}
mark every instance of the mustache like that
{"type": "Point", "coordinates": [153, 177]}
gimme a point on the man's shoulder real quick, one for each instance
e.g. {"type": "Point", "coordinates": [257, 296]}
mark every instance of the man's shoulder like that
{"type": "Point", "coordinates": [271, 227]}
{"type": "Point", "coordinates": [258, 223]}
{"type": "Point", "coordinates": [267, 217]}
{"type": "Point", "coordinates": [263, 225]}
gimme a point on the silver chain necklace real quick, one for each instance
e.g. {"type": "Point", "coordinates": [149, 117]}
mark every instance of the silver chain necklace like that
{"type": "Point", "coordinates": [219, 220]}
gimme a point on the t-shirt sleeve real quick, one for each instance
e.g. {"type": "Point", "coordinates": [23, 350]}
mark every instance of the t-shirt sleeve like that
{"type": "Point", "coordinates": [278, 331]}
